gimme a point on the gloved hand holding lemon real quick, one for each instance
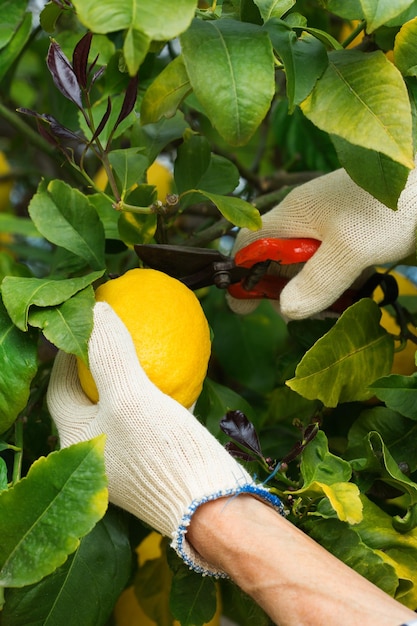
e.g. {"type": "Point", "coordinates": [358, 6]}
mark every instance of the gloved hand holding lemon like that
{"type": "Point", "coordinates": [161, 462]}
{"type": "Point", "coordinates": [168, 328]}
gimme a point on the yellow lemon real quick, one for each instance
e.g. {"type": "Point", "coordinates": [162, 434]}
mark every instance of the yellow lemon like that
{"type": "Point", "coordinates": [168, 327]}
{"type": "Point", "coordinates": [347, 29]}
{"type": "Point", "coordinates": [100, 179]}
{"type": "Point", "coordinates": [404, 360]}
{"type": "Point", "coordinates": [5, 185]}
{"type": "Point", "coordinates": [159, 175]}
{"type": "Point", "coordinates": [128, 611]}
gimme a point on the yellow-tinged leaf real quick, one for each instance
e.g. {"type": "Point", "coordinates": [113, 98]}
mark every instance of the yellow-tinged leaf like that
{"type": "Point", "coordinates": [44, 515]}
{"type": "Point", "coordinates": [352, 99]}
{"type": "Point", "coordinates": [345, 500]}
{"type": "Point", "coordinates": [345, 361]}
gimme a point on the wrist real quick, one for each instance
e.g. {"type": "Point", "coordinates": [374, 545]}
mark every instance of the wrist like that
{"type": "Point", "coordinates": [219, 531]}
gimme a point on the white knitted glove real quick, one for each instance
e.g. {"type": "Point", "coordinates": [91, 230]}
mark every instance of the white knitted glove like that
{"type": "Point", "coordinates": [356, 232]}
{"type": "Point", "coordinates": [161, 463]}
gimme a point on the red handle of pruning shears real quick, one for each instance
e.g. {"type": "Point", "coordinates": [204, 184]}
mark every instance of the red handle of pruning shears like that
{"type": "Point", "coordinates": [282, 251]}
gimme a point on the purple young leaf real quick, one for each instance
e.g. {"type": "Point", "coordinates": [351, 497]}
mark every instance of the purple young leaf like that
{"type": "Point", "coordinates": [98, 74]}
{"type": "Point", "coordinates": [238, 427]}
{"type": "Point", "coordinates": [293, 453]}
{"type": "Point", "coordinates": [52, 130]}
{"type": "Point", "coordinates": [103, 121]}
{"type": "Point", "coordinates": [63, 75]}
{"type": "Point", "coordinates": [44, 132]}
{"type": "Point", "coordinates": [129, 100]}
{"type": "Point", "coordinates": [308, 435]}
{"type": "Point", "coordinates": [237, 453]}
{"type": "Point", "coordinates": [60, 131]}
{"type": "Point", "coordinates": [92, 65]}
{"type": "Point", "coordinates": [80, 59]}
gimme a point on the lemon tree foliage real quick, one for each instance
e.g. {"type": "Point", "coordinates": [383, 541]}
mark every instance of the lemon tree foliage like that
{"type": "Point", "coordinates": [150, 121]}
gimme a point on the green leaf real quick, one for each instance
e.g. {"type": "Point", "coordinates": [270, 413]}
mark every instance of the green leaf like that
{"type": "Point", "coordinates": [237, 211]}
{"type": "Point", "coordinates": [3, 475]}
{"type": "Point", "coordinates": [18, 226]}
{"type": "Point", "coordinates": [19, 294]}
{"type": "Point", "coordinates": [85, 588]}
{"type": "Point", "coordinates": [215, 401]}
{"type": "Point", "coordinates": [192, 162]}
{"type": "Point", "coordinates": [352, 99]}
{"type": "Point", "coordinates": [405, 49]}
{"type": "Point", "coordinates": [158, 19]}
{"type": "Point", "coordinates": [49, 16]}
{"type": "Point", "coordinates": [193, 597]}
{"type": "Point", "coordinates": [378, 174]}
{"type": "Point", "coordinates": [390, 472]}
{"type": "Point", "coordinates": [166, 92]}
{"type": "Point", "coordinates": [320, 465]}
{"type": "Point", "coordinates": [69, 325]}
{"type": "Point", "coordinates": [135, 49]}
{"type": "Point", "coordinates": [351, 10]}
{"type": "Point", "coordinates": [154, 137]}
{"type": "Point", "coordinates": [324, 37]}
{"type": "Point", "coordinates": [10, 53]}
{"type": "Point", "coordinates": [129, 165]}
{"type": "Point", "coordinates": [136, 228]}
{"type": "Point", "coordinates": [406, 523]}
{"type": "Point", "coordinates": [238, 58]}
{"type": "Point", "coordinates": [43, 517]}
{"type": "Point", "coordinates": [378, 12]}
{"type": "Point", "coordinates": [273, 8]}
{"type": "Point", "coordinates": [246, 345]}
{"type": "Point", "coordinates": [348, 546]}
{"type": "Point", "coordinates": [398, 392]}
{"type": "Point", "coordinates": [398, 433]}
{"type": "Point", "coordinates": [108, 215]}
{"type": "Point", "coordinates": [304, 59]}
{"type": "Point", "coordinates": [404, 566]}
{"type": "Point", "coordinates": [399, 549]}
{"type": "Point", "coordinates": [151, 584]}
{"type": "Point", "coordinates": [141, 196]}
{"type": "Point", "coordinates": [344, 362]}
{"type": "Point", "coordinates": [221, 176]}
{"type": "Point", "coordinates": [197, 168]}
{"type": "Point", "coordinates": [377, 531]}
{"type": "Point", "coordinates": [284, 405]}
{"type": "Point", "coordinates": [65, 217]}
{"type": "Point", "coordinates": [9, 267]}
{"type": "Point", "coordinates": [18, 366]}
{"type": "Point", "coordinates": [12, 13]}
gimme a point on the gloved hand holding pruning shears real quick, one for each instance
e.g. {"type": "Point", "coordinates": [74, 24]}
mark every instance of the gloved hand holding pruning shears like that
{"type": "Point", "coordinates": [332, 226]}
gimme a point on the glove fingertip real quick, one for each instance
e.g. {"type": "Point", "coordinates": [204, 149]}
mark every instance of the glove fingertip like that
{"type": "Point", "coordinates": [242, 307]}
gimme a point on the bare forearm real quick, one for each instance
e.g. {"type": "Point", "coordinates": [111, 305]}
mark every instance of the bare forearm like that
{"type": "Point", "coordinates": [294, 579]}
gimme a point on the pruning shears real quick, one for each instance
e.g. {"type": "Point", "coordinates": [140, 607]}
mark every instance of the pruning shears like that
{"type": "Point", "coordinates": [245, 276]}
